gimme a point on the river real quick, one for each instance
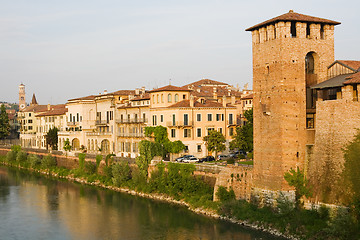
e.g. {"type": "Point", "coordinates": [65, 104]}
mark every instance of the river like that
{"type": "Point", "coordinates": [36, 207]}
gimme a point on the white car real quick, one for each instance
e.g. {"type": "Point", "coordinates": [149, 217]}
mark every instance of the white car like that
{"type": "Point", "coordinates": [191, 160]}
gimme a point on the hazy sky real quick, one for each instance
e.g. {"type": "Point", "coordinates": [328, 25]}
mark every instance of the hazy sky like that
{"type": "Point", "coordinates": [72, 48]}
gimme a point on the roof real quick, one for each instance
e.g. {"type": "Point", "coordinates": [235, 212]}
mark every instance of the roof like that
{"type": "Point", "coordinates": [33, 101]}
{"type": "Point", "coordinates": [355, 65]}
{"type": "Point", "coordinates": [206, 82]}
{"type": "Point", "coordinates": [35, 108]}
{"type": "Point", "coordinates": [169, 88]}
{"type": "Point", "coordinates": [124, 92]}
{"type": "Point", "coordinates": [249, 96]}
{"type": "Point", "coordinates": [54, 110]}
{"type": "Point", "coordinates": [354, 78]}
{"type": "Point", "coordinates": [91, 97]}
{"type": "Point", "coordinates": [293, 16]}
{"type": "Point", "coordinates": [145, 96]}
{"type": "Point", "coordinates": [337, 81]}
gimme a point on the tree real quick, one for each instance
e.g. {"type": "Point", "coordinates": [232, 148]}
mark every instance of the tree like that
{"type": "Point", "coordinates": [243, 139]}
{"type": "Point", "coordinates": [52, 138]}
{"type": "Point", "coordinates": [215, 142]}
{"type": "Point", "coordinates": [298, 180]}
{"type": "Point", "coordinates": [4, 123]}
{"type": "Point", "coordinates": [67, 146]}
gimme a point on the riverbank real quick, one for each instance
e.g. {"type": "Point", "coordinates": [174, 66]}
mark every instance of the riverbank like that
{"type": "Point", "coordinates": [154, 196]}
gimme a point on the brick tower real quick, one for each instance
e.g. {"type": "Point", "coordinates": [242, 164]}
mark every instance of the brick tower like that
{"type": "Point", "coordinates": [290, 53]}
{"type": "Point", "coordinates": [22, 103]}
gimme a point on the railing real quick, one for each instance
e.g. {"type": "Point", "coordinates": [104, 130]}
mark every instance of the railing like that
{"type": "Point", "coordinates": [139, 135]}
{"type": "Point", "coordinates": [101, 122]}
{"type": "Point", "coordinates": [72, 123]}
{"type": "Point", "coordinates": [132, 120]}
{"type": "Point", "coordinates": [180, 124]}
{"type": "Point", "coordinates": [99, 133]}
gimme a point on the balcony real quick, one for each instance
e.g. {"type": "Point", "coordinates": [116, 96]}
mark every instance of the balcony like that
{"type": "Point", "coordinates": [131, 120]}
{"type": "Point", "coordinates": [72, 123]}
{"type": "Point", "coordinates": [180, 124]}
{"type": "Point", "coordinates": [131, 135]}
{"type": "Point", "coordinates": [99, 133]}
{"type": "Point", "coordinates": [102, 122]}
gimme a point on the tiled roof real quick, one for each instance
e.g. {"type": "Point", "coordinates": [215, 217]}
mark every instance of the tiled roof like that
{"type": "Point", "coordinates": [35, 108]}
{"type": "Point", "coordinates": [124, 92]}
{"type": "Point", "coordinates": [249, 96]}
{"type": "Point", "coordinates": [91, 97]}
{"type": "Point", "coordinates": [204, 82]}
{"type": "Point", "coordinates": [293, 16]}
{"type": "Point", "coordinates": [54, 110]}
{"type": "Point", "coordinates": [208, 91]}
{"type": "Point", "coordinates": [354, 78]}
{"type": "Point", "coordinates": [169, 88]}
{"type": "Point", "coordinates": [351, 63]}
{"type": "Point", "coordinates": [337, 81]}
{"type": "Point", "coordinates": [146, 96]}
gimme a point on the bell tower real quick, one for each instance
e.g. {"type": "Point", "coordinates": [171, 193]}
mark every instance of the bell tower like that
{"type": "Point", "coordinates": [291, 52]}
{"type": "Point", "coordinates": [22, 103]}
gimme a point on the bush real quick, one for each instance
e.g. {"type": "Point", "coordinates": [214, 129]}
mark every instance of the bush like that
{"type": "Point", "coordinates": [121, 173]}
{"type": "Point", "coordinates": [90, 167]}
{"type": "Point", "coordinates": [250, 155]}
{"type": "Point", "coordinates": [224, 195]}
{"type": "Point", "coordinates": [16, 148]}
{"type": "Point", "coordinates": [21, 157]}
{"type": "Point", "coordinates": [81, 160]}
{"type": "Point", "coordinates": [98, 161]}
{"type": "Point", "coordinates": [11, 156]}
{"type": "Point", "coordinates": [108, 171]}
{"type": "Point", "coordinates": [34, 161]}
{"type": "Point", "coordinates": [230, 161]}
{"type": "Point", "coordinates": [48, 162]}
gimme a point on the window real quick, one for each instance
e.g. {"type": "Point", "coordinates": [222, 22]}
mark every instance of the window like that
{"type": "Point", "coordinates": [322, 35]}
{"type": "Point", "coordinates": [187, 133]}
{"type": "Point", "coordinates": [293, 29]}
{"type": "Point", "coordinates": [230, 118]}
{"type": "Point", "coordinates": [308, 30]}
{"type": "Point", "coordinates": [77, 117]}
{"type": "Point", "coordinates": [173, 133]}
{"type": "Point", "coordinates": [231, 131]}
{"type": "Point", "coordinates": [198, 132]}
{"type": "Point", "coordinates": [127, 147]}
{"type": "Point", "coordinates": [310, 122]}
{"type": "Point", "coordinates": [173, 120]}
{"type": "Point", "coordinates": [154, 120]}
{"type": "Point", "coordinates": [198, 117]}
{"type": "Point", "coordinates": [153, 99]}
{"type": "Point", "coordinates": [134, 148]}
{"type": "Point", "coordinates": [209, 117]}
{"type": "Point", "coordinates": [169, 97]}
{"type": "Point", "coordinates": [161, 118]}
{"type": "Point", "coordinates": [186, 119]}
{"type": "Point", "coordinates": [29, 114]}
{"type": "Point", "coordinates": [219, 117]}
{"type": "Point", "coordinates": [220, 130]}
{"type": "Point", "coordinates": [210, 129]}
{"type": "Point", "coordinates": [158, 98]}
{"type": "Point", "coordinates": [144, 116]}
{"type": "Point", "coordinates": [30, 127]}
{"type": "Point", "coordinates": [162, 98]}
{"type": "Point", "coordinates": [30, 121]}
{"type": "Point", "coordinates": [176, 97]}
{"type": "Point", "coordinates": [186, 148]}
{"type": "Point", "coordinates": [184, 96]}
{"type": "Point", "coordinates": [199, 148]}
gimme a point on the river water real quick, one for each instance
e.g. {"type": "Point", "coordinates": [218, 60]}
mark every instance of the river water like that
{"type": "Point", "coordinates": [37, 207]}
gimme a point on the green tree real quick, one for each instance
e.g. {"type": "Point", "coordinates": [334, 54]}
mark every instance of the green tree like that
{"type": "Point", "coordinates": [298, 180]}
{"type": "Point", "coordinates": [4, 123]}
{"type": "Point", "coordinates": [52, 138]}
{"type": "Point", "coordinates": [215, 142]}
{"type": "Point", "coordinates": [243, 139]}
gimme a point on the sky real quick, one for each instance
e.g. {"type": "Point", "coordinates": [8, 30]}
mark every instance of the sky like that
{"type": "Point", "coordinates": [73, 48]}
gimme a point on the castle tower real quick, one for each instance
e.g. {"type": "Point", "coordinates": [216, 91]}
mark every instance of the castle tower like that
{"type": "Point", "coordinates": [290, 53]}
{"type": "Point", "coordinates": [22, 103]}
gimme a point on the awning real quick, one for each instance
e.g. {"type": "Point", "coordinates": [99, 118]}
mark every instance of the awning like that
{"type": "Point", "coordinates": [337, 81]}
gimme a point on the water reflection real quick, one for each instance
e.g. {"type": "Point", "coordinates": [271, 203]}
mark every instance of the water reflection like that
{"type": "Point", "coordinates": [44, 208]}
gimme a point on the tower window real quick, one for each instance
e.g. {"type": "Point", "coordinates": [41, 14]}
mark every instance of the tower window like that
{"type": "Point", "coordinates": [293, 29]}
{"type": "Point", "coordinates": [322, 35]}
{"type": "Point", "coordinates": [308, 30]}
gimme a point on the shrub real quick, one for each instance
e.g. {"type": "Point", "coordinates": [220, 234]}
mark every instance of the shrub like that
{"type": "Point", "coordinates": [16, 148]}
{"type": "Point", "coordinates": [108, 171]}
{"type": "Point", "coordinates": [11, 156]}
{"type": "Point", "coordinates": [224, 195]}
{"type": "Point", "coordinates": [230, 161]}
{"type": "Point", "coordinates": [81, 160]}
{"type": "Point", "coordinates": [98, 161]}
{"type": "Point", "coordinates": [34, 161]}
{"type": "Point", "coordinates": [90, 167]}
{"type": "Point", "coordinates": [250, 155]}
{"type": "Point", "coordinates": [21, 157]}
{"type": "Point", "coordinates": [121, 173]}
{"type": "Point", "coordinates": [48, 162]}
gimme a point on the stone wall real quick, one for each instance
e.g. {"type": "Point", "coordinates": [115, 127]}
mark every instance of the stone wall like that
{"type": "Point", "coordinates": [336, 123]}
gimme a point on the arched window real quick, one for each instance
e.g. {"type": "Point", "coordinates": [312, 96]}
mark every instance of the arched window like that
{"type": "Point", "coordinates": [169, 97]}
{"type": "Point", "coordinates": [309, 63]}
{"type": "Point", "coordinates": [176, 97]}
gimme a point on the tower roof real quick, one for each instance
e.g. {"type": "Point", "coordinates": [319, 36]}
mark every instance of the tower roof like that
{"type": "Point", "coordinates": [293, 16]}
{"type": "Point", "coordinates": [33, 101]}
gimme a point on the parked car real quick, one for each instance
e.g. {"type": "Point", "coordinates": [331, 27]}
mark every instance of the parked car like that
{"type": "Point", "coordinates": [207, 159]}
{"type": "Point", "coordinates": [181, 159]}
{"type": "Point", "coordinates": [223, 157]}
{"type": "Point", "coordinates": [191, 160]}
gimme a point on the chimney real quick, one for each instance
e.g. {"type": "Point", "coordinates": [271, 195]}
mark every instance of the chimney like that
{"type": "Point", "coordinates": [105, 91]}
{"type": "Point", "coordinates": [48, 107]}
{"type": "Point", "coordinates": [233, 99]}
{"type": "Point", "coordinates": [142, 90]}
{"type": "Point", "coordinates": [191, 101]}
{"type": "Point", "coordinates": [137, 91]}
{"type": "Point", "coordinates": [224, 101]}
{"type": "Point", "coordinates": [214, 93]}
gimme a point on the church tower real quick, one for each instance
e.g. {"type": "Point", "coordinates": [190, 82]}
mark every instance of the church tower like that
{"type": "Point", "coordinates": [291, 52]}
{"type": "Point", "coordinates": [22, 103]}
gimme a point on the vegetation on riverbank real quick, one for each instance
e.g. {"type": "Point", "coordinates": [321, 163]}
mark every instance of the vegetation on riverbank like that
{"type": "Point", "coordinates": [177, 181]}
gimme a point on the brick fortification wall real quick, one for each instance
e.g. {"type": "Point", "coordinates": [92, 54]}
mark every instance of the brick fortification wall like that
{"type": "Point", "coordinates": [336, 123]}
